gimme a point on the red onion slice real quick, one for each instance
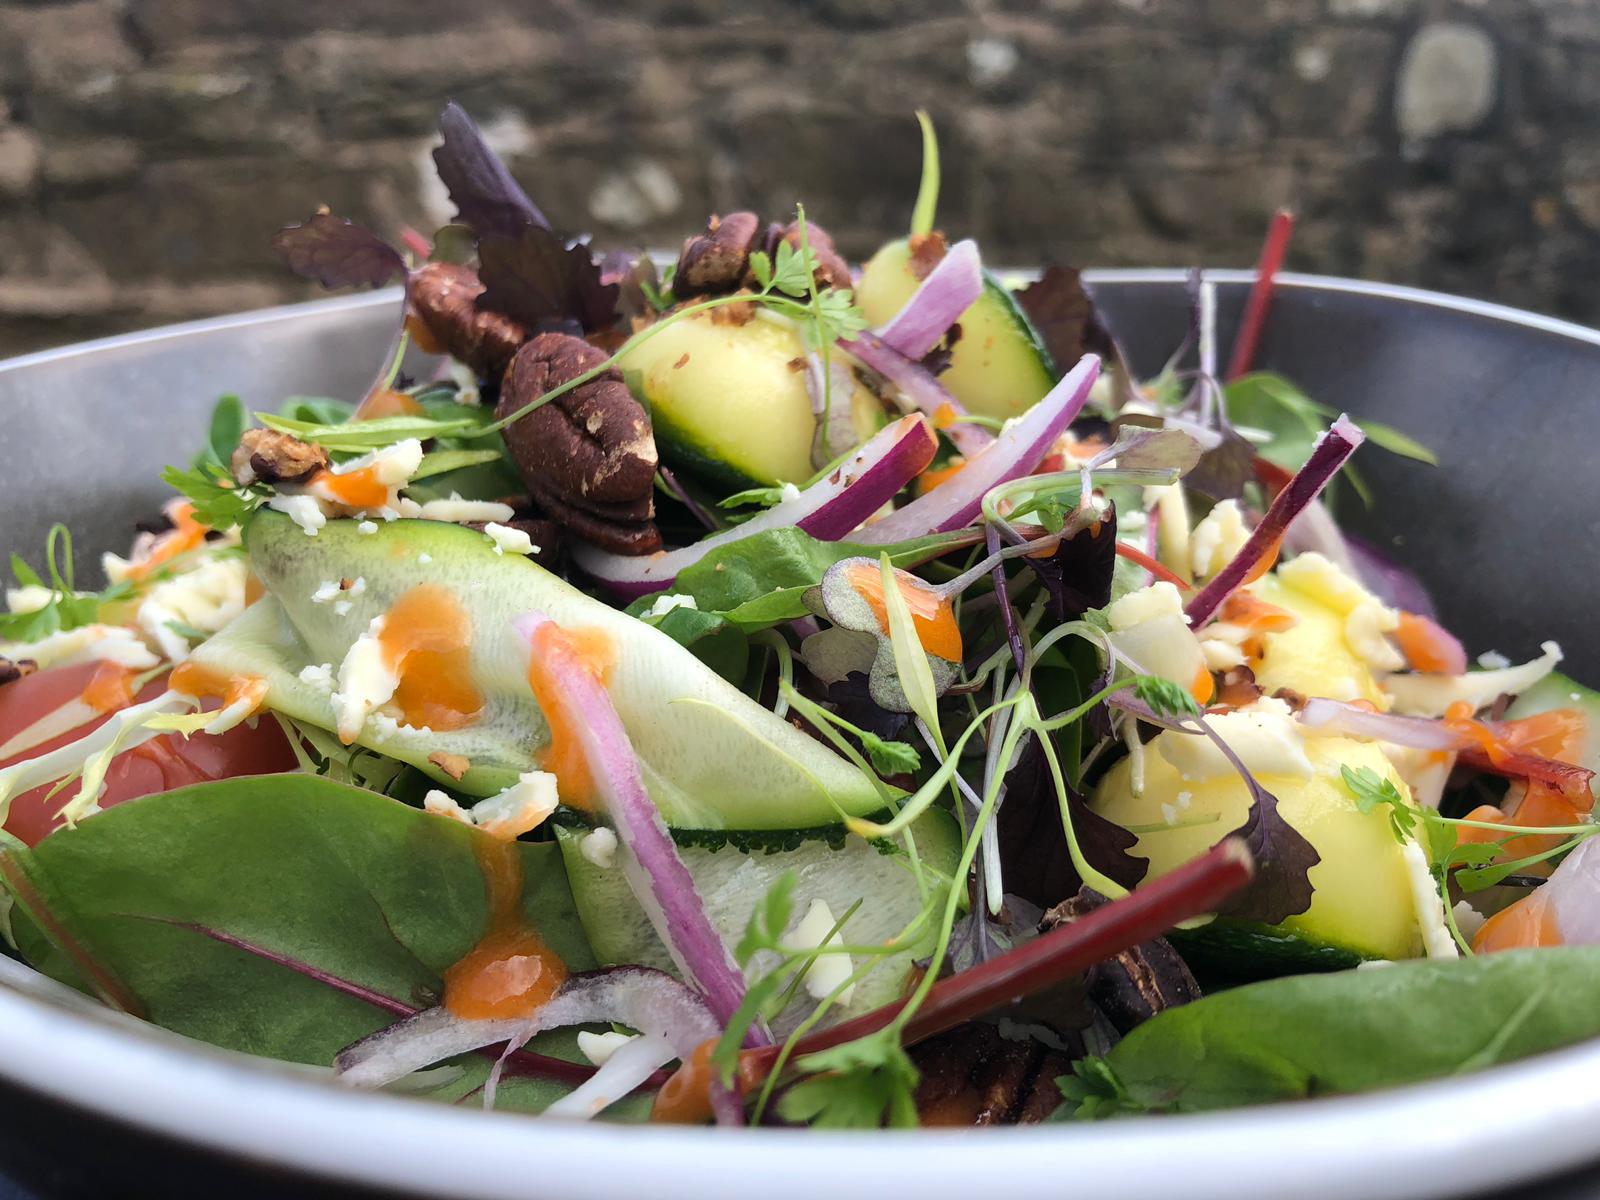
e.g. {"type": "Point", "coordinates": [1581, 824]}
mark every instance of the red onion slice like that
{"type": "Point", "coordinates": [948, 291]}
{"type": "Point", "coordinates": [1019, 449]}
{"type": "Point", "coordinates": [827, 510]}
{"type": "Point", "coordinates": [650, 1001]}
{"type": "Point", "coordinates": [918, 385]}
{"type": "Point", "coordinates": [1420, 733]}
{"type": "Point", "coordinates": [649, 858]}
{"type": "Point", "coordinates": [1331, 451]}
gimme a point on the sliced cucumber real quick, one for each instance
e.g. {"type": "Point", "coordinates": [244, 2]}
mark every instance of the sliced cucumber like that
{"type": "Point", "coordinates": [1557, 691]}
{"type": "Point", "coordinates": [729, 402]}
{"type": "Point", "coordinates": [732, 882]}
{"type": "Point", "coordinates": [1000, 366]}
{"type": "Point", "coordinates": [1228, 952]}
{"type": "Point", "coordinates": [711, 756]}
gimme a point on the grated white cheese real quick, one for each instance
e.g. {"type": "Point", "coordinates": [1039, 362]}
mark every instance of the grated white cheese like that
{"type": "Point", "coordinates": [341, 608]}
{"type": "Point", "coordinates": [599, 1047]}
{"type": "Point", "coordinates": [1493, 660]}
{"type": "Point", "coordinates": [365, 682]}
{"type": "Point", "coordinates": [787, 493]}
{"type": "Point", "coordinates": [424, 559]}
{"type": "Point", "coordinates": [1437, 941]}
{"type": "Point", "coordinates": [1265, 736]}
{"type": "Point", "coordinates": [522, 807]}
{"type": "Point", "coordinates": [1431, 695]}
{"type": "Point", "coordinates": [392, 465]}
{"type": "Point", "coordinates": [1217, 539]}
{"type": "Point", "coordinates": [461, 512]}
{"type": "Point", "coordinates": [304, 511]}
{"type": "Point", "coordinates": [599, 847]}
{"type": "Point", "coordinates": [664, 604]}
{"type": "Point", "coordinates": [87, 643]}
{"type": "Point", "coordinates": [319, 676]}
{"type": "Point", "coordinates": [205, 598]}
{"type": "Point", "coordinates": [827, 971]}
{"type": "Point", "coordinates": [366, 527]}
{"type": "Point", "coordinates": [506, 538]}
{"type": "Point", "coordinates": [327, 590]}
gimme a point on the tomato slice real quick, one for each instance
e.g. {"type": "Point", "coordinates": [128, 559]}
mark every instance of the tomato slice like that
{"type": "Point", "coordinates": [157, 766]}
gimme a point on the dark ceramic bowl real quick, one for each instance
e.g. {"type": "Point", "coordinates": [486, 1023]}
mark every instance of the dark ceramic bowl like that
{"type": "Point", "coordinates": [1504, 533]}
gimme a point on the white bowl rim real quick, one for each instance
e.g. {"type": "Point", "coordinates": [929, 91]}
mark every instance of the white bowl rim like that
{"type": "Point", "coordinates": [1441, 1138]}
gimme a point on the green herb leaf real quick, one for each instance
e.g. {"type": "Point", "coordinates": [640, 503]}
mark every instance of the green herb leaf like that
{"type": "Point", "coordinates": [766, 497]}
{"type": "Point", "coordinates": [1165, 698]}
{"type": "Point", "coordinates": [216, 502]}
{"type": "Point", "coordinates": [768, 920]}
{"type": "Point", "coordinates": [1353, 1031]}
{"type": "Point", "coordinates": [863, 1084]}
{"type": "Point", "coordinates": [1371, 789]}
{"type": "Point", "coordinates": [761, 269]}
{"type": "Point", "coordinates": [440, 461]}
{"type": "Point", "coordinates": [229, 420]}
{"type": "Point", "coordinates": [65, 609]}
{"type": "Point", "coordinates": [910, 659]}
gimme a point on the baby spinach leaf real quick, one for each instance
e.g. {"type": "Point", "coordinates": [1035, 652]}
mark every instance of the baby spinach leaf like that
{"type": "Point", "coordinates": [279, 915]}
{"type": "Point", "coordinates": [1351, 1031]}
{"type": "Point", "coordinates": [760, 581]}
{"type": "Point", "coordinates": [229, 420]}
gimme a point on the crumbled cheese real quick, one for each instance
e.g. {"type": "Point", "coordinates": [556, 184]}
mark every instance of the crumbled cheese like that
{"type": "Point", "coordinates": [1468, 919]}
{"type": "Point", "coordinates": [787, 493]}
{"type": "Point", "coordinates": [424, 559]}
{"type": "Point", "coordinates": [205, 598]}
{"type": "Point", "coordinates": [599, 1047]}
{"type": "Point", "coordinates": [87, 643]}
{"type": "Point", "coordinates": [1217, 539]}
{"type": "Point", "coordinates": [827, 971]}
{"type": "Point", "coordinates": [1169, 814]}
{"type": "Point", "coordinates": [1172, 526]}
{"type": "Point", "coordinates": [599, 847]}
{"type": "Point", "coordinates": [505, 538]}
{"type": "Point", "coordinates": [1437, 941]}
{"type": "Point", "coordinates": [318, 675]}
{"type": "Point", "coordinates": [32, 597]}
{"type": "Point", "coordinates": [391, 465]}
{"type": "Point", "coordinates": [466, 380]}
{"type": "Point", "coordinates": [1147, 603]}
{"type": "Point", "coordinates": [1367, 619]}
{"type": "Point", "coordinates": [1493, 660]}
{"type": "Point", "coordinates": [366, 527]}
{"type": "Point", "coordinates": [462, 512]}
{"type": "Point", "coordinates": [664, 604]}
{"type": "Point", "coordinates": [1267, 741]}
{"type": "Point", "coordinates": [304, 511]}
{"type": "Point", "coordinates": [520, 808]}
{"type": "Point", "coordinates": [365, 682]}
{"type": "Point", "coordinates": [1431, 695]}
{"type": "Point", "coordinates": [341, 608]}
{"type": "Point", "coordinates": [357, 586]}
{"type": "Point", "coordinates": [326, 590]}
{"type": "Point", "coordinates": [1221, 654]}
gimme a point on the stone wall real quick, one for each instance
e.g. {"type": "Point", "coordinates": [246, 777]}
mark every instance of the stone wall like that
{"type": "Point", "coordinates": [148, 148]}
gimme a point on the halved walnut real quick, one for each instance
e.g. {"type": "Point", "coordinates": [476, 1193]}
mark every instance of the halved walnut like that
{"type": "Point", "coordinates": [588, 456]}
{"type": "Point", "coordinates": [267, 456]}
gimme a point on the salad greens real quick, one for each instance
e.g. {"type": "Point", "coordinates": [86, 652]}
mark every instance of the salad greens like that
{"type": "Point", "coordinates": [520, 732]}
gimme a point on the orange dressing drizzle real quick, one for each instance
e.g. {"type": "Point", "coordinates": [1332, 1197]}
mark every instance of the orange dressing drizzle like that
{"type": "Point", "coordinates": [934, 476]}
{"type": "Point", "coordinates": [932, 616]}
{"type": "Point", "coordinates": [110, 688]}
{"type": "Point", "coordinates": [685, 1098]}
{"type": "Point", "coordinates": [1528, 922]}
{"type": "Point", "coordinates": [426, 643]}
{"type": "Point", "coordinates": [193, 679]}
{"type": "Point", "coordinates": [591, 650]}
{"type": "Point", "coordinates": [1426, 647]}
{"type": "Point", "coordinates": [355, 489]}
{"type": "Point", "coordinates": [186, 534]}
{"type": "Point", "coordinates": [386, 402]}
{"type": "Point", "coordinates": [511, 972]}
{"type": "Point", "coordinates": [1203, 686]}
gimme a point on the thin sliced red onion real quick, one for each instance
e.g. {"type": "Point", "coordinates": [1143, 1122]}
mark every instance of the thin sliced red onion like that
{"type": "Point", "coordinates": [1420, 733]}
{"type": "Point", "coordinates": [1389, 581]}
{"type": "Point", "coordinates": [650, 861]}
{"type": "Point", "coordinates": [948, 291]}
{"type": "Point", "coordinates": [918, 385]}
{"type": "Point", "coordinates": [641, 998]}
{"type": "Point", "coordinates": [1019, 449]}
{"type": "Point", "coordinates": [625, 1070]}
{"type": "Point", "coordinates": [1331, 451]}
{"type": "Point", "coordinates": [827, 510]}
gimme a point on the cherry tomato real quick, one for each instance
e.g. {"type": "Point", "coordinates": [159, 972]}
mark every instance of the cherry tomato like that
{"type": "Point", "coordinates": [157, 766]}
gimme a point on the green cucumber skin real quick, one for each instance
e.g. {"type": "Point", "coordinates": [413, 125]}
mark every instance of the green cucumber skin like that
{"type": "Point", "coordinates": [1228, 952]}
{"type": "Point", "coordinates": [1003, 297]}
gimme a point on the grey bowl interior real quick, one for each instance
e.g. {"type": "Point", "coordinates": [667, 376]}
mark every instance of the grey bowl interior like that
{"type": "Point", "coordinates": [1501, 533]}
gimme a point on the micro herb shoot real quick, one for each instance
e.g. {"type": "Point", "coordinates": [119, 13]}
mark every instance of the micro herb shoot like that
{"type": "Point", "coordinates": [1371, 789]}
{"type": "Point", "coordinates": [766, 497]}
{"type": "Point", "coordinates": [887, 757]}
{"type": "Point", "coordinates": [65, 609]}
{"type": "Point", "coordinates": [217, 502]}
{"type": "Point", "coordinates": [924, 213]}
{"type": "Point", "coordinates": [1164, 697]}
{"type": "Point", "coordinates": [361, 436]}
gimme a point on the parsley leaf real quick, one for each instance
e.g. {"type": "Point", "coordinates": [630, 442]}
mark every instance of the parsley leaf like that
{"type": "Point", "coordinates": [864, 1084]}
{"type": "Point", "coordinates": [1371, 789]}
{"type": "Point", "coordinates": [217, 503]}
{"type": "Point", "coordinates": [768, 920]}
{"type": "Point", "coordinates": [1165, 698]}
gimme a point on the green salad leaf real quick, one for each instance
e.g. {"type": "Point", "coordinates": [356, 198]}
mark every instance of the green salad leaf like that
{"type": "Point", "coordinates": [265, 914]}
{"type": "Point", "coordinates": [1350, 1031]}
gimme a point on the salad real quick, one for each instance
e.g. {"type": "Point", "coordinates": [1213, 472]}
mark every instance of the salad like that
{"type": "Point", "coordinates": [761, 688]}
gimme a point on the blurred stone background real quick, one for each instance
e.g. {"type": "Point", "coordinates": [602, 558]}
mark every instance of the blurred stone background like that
{"type": "Point", "coordinates": [148, 148]}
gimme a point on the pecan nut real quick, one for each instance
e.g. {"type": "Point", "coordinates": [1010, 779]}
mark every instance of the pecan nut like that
{"type": "Point", "coordinates": [718, 259]}
{"type": "Point", "coordinates": [267, 456]}
{"type": "Point", "coordinates": [588, 456]}
{"type": "Point", "coordinates": [1138, 983]}
{"type": "Point", "coordinates": [444, 300]}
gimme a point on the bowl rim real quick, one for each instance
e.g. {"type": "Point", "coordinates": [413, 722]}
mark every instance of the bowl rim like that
{"type": "Point", "coordinates": [1412, 1140]}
